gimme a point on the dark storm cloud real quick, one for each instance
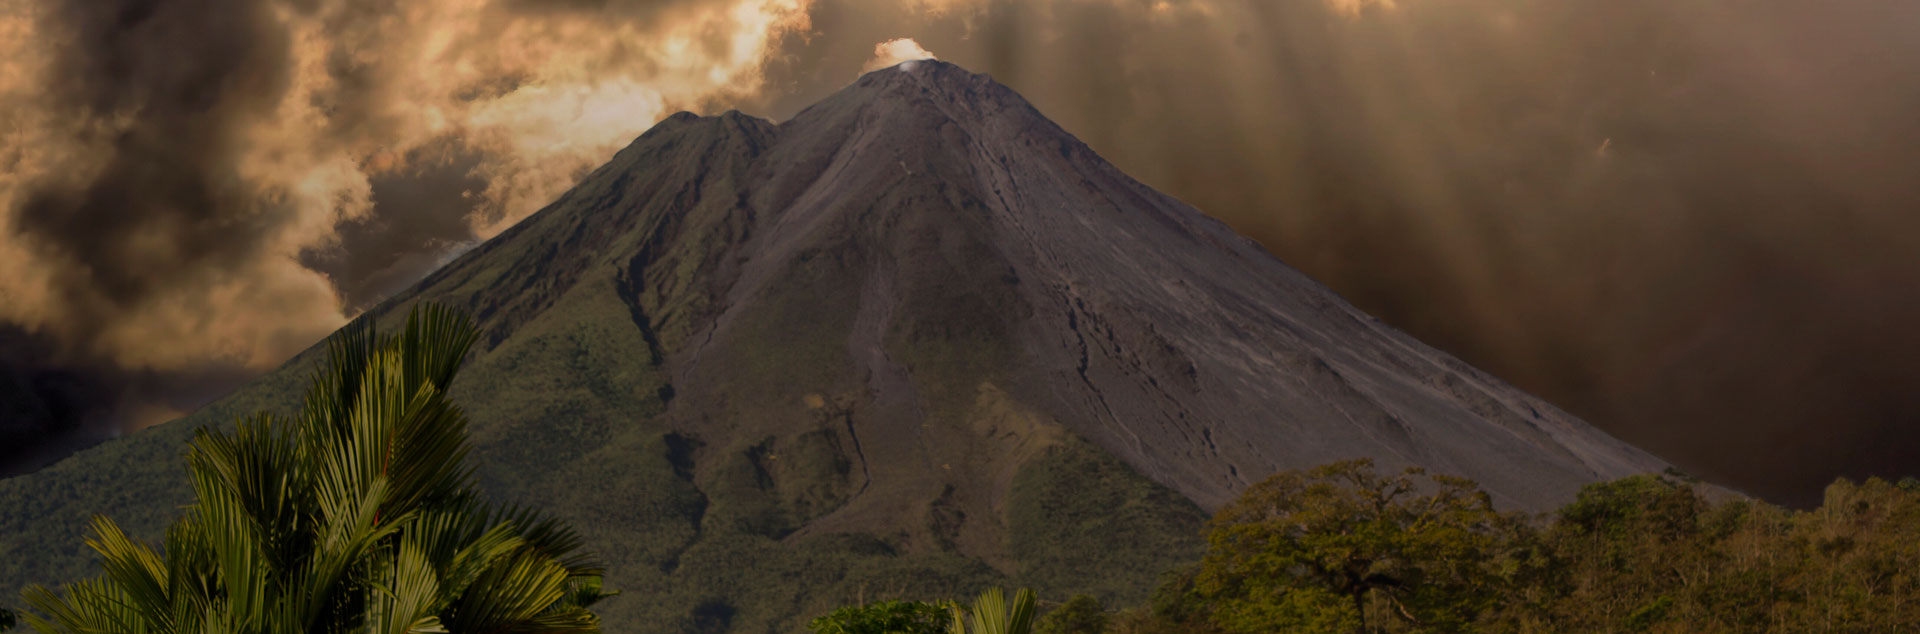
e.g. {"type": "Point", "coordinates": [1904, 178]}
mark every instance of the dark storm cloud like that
{"type": "Point", "coordinates": [149, 201]}
{"type": "Point", "coordinates": [52, 402]}
{"type": "Point", "coordinates": [422, 211]}
{"type": "Point", "coordinates": [163, 87]}
{"type": "Point", "coordinates": [626, 8]}
{"type": "Point", "coordinates": [192, 190]}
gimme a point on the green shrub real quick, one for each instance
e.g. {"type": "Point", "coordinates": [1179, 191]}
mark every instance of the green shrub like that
{"type": "Point", "coordinates": [884, 617]}
{"type": "Point", "coordinates": [1080, 615]}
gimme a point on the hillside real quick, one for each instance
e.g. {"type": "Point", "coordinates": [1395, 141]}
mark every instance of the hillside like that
{"type": "Point", "coordinates": [914, 340]}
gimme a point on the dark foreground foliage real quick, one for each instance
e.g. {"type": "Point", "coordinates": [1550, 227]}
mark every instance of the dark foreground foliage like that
{"type": "Point", "coordinates": [990, 613]}
{"type": "Point", "coordinates": [357, 516]}
{"type": "Point", "coordinates": [1346, 549]}
{"type": "Point", "coordinates": [884, 617]}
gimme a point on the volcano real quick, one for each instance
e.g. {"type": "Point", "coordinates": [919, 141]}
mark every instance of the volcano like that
{"type": "Point", "coordinates": [914, 340]}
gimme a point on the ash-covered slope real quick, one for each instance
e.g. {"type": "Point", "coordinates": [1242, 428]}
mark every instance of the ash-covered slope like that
{"type": "Point", "coordinates": [968, 241]}
{"type": "Point", "coordinates": [915, 340]}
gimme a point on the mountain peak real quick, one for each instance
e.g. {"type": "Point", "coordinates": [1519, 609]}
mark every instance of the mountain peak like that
{"type": "Point", "coordinates": [903, 329]}
{"type": "Point", "coordinates": [932, 87]}
{"type": "Point", "coordinates": [923, 70]}
{"type": "Point", "coordinates": [925, 209]}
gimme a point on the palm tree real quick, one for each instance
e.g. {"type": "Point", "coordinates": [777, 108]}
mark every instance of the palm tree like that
{"type": "Point", "coordinates": [359, 516]}
{"type": "Point", "coordinates": [990, 614]}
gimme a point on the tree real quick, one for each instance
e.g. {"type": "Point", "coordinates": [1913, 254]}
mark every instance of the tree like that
{"type": "Point", "coordinates": [358, 516]}
{"type": "Point", "coordinates": [1325, 550]}
{"type": "Point", "coordinates": [990, 614]}
{"type": "Point", "coordinates": [1080, 615]}
{"type": "Point", "coordinates": [1175, 607]}
{"type": "Point", "coordinates": [7, 620]}
{"type": "Point", "coordinates": [884, 617]}
{"type": "Point", "coordinates": [1632, 543]}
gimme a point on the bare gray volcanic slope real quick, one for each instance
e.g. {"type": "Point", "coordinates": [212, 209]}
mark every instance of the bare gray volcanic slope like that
{"type": "Point", "coordinates": [915, 340]}
{"type": "Point", "coordinates": [1138, 322]}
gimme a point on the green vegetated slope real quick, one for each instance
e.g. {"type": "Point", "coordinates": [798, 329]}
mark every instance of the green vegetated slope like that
{"type": "Point", "coordinates": [713, 552]}
{"type": "Point", "coordinates": [139, 480]}
{"type": "Point", "coordinates": [740, 498]}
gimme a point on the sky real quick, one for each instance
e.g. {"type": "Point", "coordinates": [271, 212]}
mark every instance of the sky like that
{"type": "Point", "coordinates": [1692, 222]}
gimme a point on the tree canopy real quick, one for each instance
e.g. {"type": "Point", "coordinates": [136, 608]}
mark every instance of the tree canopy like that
{"type": "Point", "coordinates": [1345, 548]}
{"type": "Point", "coordinates": [1337, 547]}
{"type": "Point", "coordinates": [1081, 614]}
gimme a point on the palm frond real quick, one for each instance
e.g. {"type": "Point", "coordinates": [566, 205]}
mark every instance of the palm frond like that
{"type": "Point", "coordinates": [358, 516]}
{"type": "Point", "coordinates": [336, 384]}
{"type": "Point", "coordinates": [551, 537]}
{"type": "Point", "coordinates": [436, 339]}
{"type": "Point", "coordinates": [94, 606]}
{"type": "Point", "coordinates": [137, 573]}
{"type": "Point", "coordinates": [408, 597]}
{"type": "Point", "coordinates": [1020, 621]}
{"type": "Point", "coordinates": [515, 591]}
{"type": "Point", "coordinates": [990, 614]}
{"type": "Point", "coordinates": [192, 572]}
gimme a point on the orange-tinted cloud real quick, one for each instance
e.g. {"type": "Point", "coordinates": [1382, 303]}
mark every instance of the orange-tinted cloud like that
{"type": "Point", "coordinates": [163, 176]}
{"type": "Point", "coordinates": [1689, 222]}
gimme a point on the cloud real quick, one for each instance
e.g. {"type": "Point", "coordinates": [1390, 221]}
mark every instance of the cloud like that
{"type": "Point", "coordinates": [171, 169]}
{"type": "Point", "coordinates": [1356, 7]}
{"type": "Point", "coordinates": [1724, 284]}
{"type": "Point", "coordinates": [192, 191]}
{"type": "Point", "coordinates": [895, 51]}
{"type": "Point", "coordinates": [1689, 222]}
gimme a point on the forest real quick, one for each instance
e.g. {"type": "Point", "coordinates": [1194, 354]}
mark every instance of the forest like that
{"type": "Point", "coordinates": [361, 515]}
{"type": "Point", "coordinates": [1346, 549]}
